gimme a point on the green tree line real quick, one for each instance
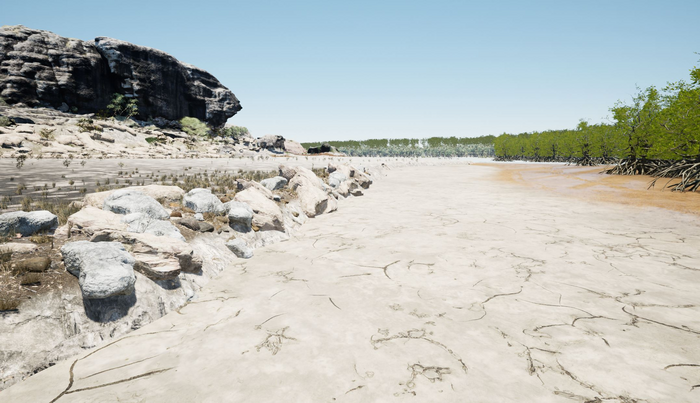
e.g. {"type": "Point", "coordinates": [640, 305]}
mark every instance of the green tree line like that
{"type": "Point", "coordinates": [428, 147]}
{"type": "Point", "coordinates": [656, 125]}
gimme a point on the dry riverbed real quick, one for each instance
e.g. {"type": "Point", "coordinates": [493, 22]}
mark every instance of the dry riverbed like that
{"type": "Point", "coordinates": [442, 283]}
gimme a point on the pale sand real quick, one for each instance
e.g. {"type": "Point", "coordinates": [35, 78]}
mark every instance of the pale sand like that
{"type": "Point", "coordinates": [440, 284]}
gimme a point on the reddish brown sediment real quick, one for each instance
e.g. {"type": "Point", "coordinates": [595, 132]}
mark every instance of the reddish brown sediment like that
{"type": "Point", "coordinates": [588, 183]}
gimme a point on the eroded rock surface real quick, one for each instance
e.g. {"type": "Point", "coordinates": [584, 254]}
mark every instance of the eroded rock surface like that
{"type": "Point", "coordinates": [40, 68]}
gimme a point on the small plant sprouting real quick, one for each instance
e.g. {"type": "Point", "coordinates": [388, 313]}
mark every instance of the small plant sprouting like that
{"type": "Point", "coordinates": [20, 161]}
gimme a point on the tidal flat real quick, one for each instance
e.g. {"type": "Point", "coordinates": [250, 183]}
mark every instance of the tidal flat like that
{"type": "Point", "coordinates": [453, 283]}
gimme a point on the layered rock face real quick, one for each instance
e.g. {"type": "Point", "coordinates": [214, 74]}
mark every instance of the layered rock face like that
{"type": "Point", "coordinates": [40, 68]}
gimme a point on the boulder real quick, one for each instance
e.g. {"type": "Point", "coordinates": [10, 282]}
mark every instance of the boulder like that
{"type": "Point", "coordinates": [271, 142]}
{"type": "Point", "coordinates": [157, 257]}
{"type": "Point", "coordinates": [166, 194]}
{"type": "Point", "coordinates": [349, 188]}
{"type": "Point", "coordinates": [143, 224]}
{"type": "Point", "coordinates": [42, 68]}
{"type": "Point", "coordinates": [104, 269]}
{"type": "Point", "coordinates": [313, 198]}
{"type": "Point", "coordinates": [11, 140]}
{"type": "Point", "coordinates": [240, 248]}
{"type": "Point", "coordinates": [267, 214]}
{"type": "Point", "coordinates": [278, 182]}
{"type": "Point", "coordinates": [336, 178]}
{"type": "Point", "coordinates": [323, 148]}
{"type": "Point", "coordinates": [27, 223]}
{"type": "Point", "coordinates": [287, 172]}
{"type": "Point", "coordinates": [243, 184]}
{"type": "Point", "coordinates": [127, 201]}
{"type": "Point", "coordinates": [240, 215]}
{"type": "Point", "coordinates": [293, 147]}
{"type": "Point", "coordinates": [90, 220]}
{"type": "Point", "coordinates": [203, 201]}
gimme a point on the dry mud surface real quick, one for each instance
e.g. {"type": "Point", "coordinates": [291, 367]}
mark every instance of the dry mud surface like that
{"type": "Point", "coordinates": [440, 284]}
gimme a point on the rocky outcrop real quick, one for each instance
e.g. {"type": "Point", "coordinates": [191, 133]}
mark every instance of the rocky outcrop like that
{"type": "Point", "coordinates": [26, 224]}
{"type": "Point", "coordinates": [40, 68]}
{"type": "Point", "coordinates": [104, 269]}
{"type": "Point", "coordinates": [271, 142]}
{"type": "Point", "coordinates": [267, 214]}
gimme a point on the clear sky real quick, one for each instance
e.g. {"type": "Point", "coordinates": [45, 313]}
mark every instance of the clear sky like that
{"type": "Point", "coordinates": [356, 69]}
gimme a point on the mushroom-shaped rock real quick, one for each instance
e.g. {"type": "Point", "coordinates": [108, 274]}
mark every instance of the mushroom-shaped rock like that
{"type": "Point", "coordinates": [267, 214]}
{"type": "Point", "coordinates": [239, 248]}
{"type": "Point", "coordinates": [278, 182]}
{"type": "Point", "coordinates": [143, 224]}
{"type": "Point", "coordinates": [104, 269]}
{"type": "Point", "coordinates": [27, 223]}
{"type": "Point", "coordinates": [127, 201]}
{"type": "Point", "coordinates": [240, 215]}
{"type": "Point", "coordinates": [203, 201]}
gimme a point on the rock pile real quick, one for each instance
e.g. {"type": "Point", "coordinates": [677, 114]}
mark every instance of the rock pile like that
{"type": "Point", "coordinates": [136, 260]}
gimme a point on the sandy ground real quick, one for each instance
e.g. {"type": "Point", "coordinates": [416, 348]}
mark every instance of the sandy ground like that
{"type": "Point", "coordinates": [442, 283]}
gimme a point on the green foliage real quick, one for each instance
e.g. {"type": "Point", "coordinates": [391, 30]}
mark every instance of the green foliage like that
{"type": "Point", "coordinates": [2, 102]}
{"type": "Point", "coordinates": [194, 127]}
{"type": "Point", "coordinates": [5, 121]}
{"type": "Point", "coordinates": [153, 140]}
{"type": "Point", "coordinates": [121, 105]}
{"type": "Point", "coordinates": [657, 125]}
{"type": "Point", "coordinates": [88, 125]}
{"type": "Point", "coordinates": [233, 132]}
{"type": "Point", "coordinates": [46, 134]}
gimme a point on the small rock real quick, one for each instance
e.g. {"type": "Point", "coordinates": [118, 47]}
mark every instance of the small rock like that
{"type": "Point", "coordinates": [175, 214]}
{"type": "Point", "coordinates": [240, 215]}
{"type": "Point", "coordinates": [239, 248]}
{"type": "Point", "coordinates": [199, 217]}
{"type": "Point", "coordinates": [189, 222]}
{"type": "Point", "coordinates": [104, 269]}
{"type": "Point", "coordinates": [205, 227]}
{"type": "Point", "coordinates": [27, 223]}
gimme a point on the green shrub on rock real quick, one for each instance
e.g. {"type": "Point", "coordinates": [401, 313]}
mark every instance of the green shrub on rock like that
{"type": "Point", "coordinates": [194, 126]}
{"type": "Point", "coordinates": [120, 105]}
{"type": "Point", "coordinates": [5, 121]}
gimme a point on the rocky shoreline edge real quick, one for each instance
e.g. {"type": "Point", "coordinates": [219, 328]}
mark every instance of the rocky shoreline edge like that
{"type": "Point", "coordinates": [129, 256]}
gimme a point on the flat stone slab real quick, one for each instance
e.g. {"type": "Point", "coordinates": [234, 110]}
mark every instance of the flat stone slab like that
{"type": "Point", "coordinates": [442, 285]}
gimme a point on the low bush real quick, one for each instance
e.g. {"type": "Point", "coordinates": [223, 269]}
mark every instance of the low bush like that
{"type": "Point", "coordinates": [194, 127]}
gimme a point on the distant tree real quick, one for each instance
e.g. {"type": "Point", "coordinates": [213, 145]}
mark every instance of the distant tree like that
{"type": "Point", "coordinates": [121, 105]}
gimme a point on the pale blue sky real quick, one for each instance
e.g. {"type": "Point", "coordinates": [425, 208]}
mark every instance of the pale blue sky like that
{"type": "Point", "coordinates": [316, 70]}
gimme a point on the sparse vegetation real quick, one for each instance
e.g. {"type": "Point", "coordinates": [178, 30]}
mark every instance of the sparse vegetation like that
{"type": "Point", "coordinates": [121, 105]}
{"type": "Point", "coordinates": [46, 134]}
{"type": "Point", "coordinates": [88, 125]}
{"type": "Point", "coordinates": [194, 127]}
{"type": "Point", "coordinates": [5, 121]}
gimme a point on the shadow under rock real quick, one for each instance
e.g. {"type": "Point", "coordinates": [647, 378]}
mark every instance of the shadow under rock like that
{"type": "Point", "coordinates": [109, 309]}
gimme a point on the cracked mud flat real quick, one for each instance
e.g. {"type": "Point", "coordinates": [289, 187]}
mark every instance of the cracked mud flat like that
{"type": "Point", "coordinates": [440, 284]}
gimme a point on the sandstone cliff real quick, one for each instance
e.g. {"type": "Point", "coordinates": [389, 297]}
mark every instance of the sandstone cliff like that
{"type": "Point", "coordinates": [40, 68]}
